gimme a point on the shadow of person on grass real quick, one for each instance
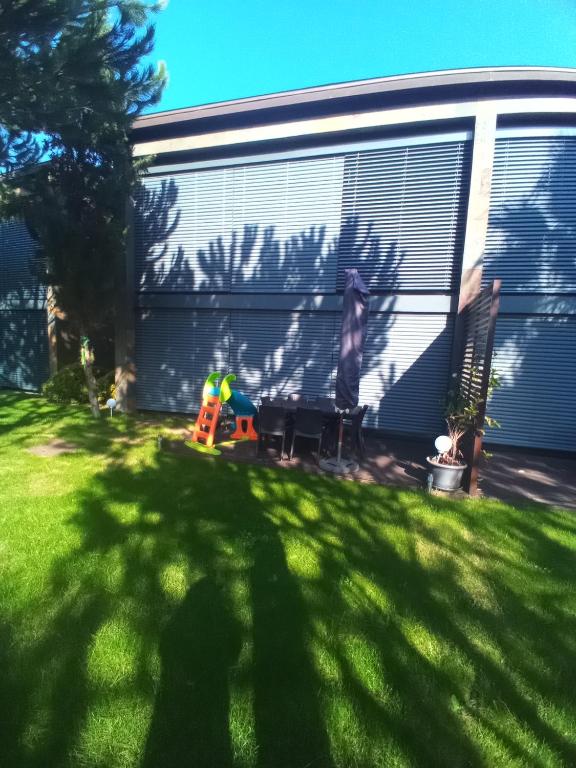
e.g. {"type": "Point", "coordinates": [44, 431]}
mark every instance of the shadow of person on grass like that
{"type": "Point", "coordinates": [286, 707]}
{"type": "Point", "coordinates": [199, 644]}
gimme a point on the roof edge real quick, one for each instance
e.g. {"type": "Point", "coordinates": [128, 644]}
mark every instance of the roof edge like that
{"type": "Point", "coordinates": [380, 85]}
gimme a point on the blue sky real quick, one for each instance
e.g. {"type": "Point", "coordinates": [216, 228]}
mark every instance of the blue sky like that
{"type": "Point", "coordinates": [234, 48]}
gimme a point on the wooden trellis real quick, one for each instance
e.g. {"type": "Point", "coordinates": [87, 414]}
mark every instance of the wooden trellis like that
{"type": "Point", "coordinates": [479, 322]}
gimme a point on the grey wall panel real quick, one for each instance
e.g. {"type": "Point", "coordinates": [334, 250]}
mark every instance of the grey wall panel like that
{"type": "Point", "coordinates": [538, 304]}
{"type": "Point", "coordinates": [299, 302]}
{"type": "Point", "coordinates": [404, 211]}
{"type": "Point", "coordinates": [531, 241]}
{"type": "Point", "coordinates": [175, 352]}
{"type": "Point", "coordinates": [536, 405]}
{"type": "Point", "coordinates": [283, 352]}
{"type": "Point", "coordinates": [23, 349]}
{"type": "Point", "coordinates": [405, 372]}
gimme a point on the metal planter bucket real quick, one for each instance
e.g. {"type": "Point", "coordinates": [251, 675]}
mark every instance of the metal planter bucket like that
{"type": "Point", "coordinates": [446, 477]}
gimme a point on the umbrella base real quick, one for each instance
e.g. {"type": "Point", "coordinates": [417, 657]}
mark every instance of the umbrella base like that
{"type": "Point", "coordinates": [338, 466]}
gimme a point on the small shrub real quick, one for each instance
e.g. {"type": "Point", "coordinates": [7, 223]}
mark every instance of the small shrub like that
{"type": "Point", "coordinates": [106, 387]}
{"type": "Point", "coordinates": [461, 414]}
{"type": "Point", "coordinates": [68, 385]}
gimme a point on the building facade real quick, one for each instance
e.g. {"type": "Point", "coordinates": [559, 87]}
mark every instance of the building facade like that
{"type": "Point", "coordinates": [431, 185]}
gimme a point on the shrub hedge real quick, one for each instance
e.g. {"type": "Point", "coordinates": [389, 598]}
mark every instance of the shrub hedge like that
{"type": "Point", "coordinates": [68, 385]}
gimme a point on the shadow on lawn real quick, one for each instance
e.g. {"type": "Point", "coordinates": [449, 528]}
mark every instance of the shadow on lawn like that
{"type": "Point", "coordinates": [20, 412]}
{"type": "Point", "coordinates": [302, 621]}
{"type": "Point", "coordinates": [199, 645]}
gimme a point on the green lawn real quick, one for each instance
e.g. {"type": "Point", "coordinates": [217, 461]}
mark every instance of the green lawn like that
{"type": "Point", "coordinates": [174, 611]}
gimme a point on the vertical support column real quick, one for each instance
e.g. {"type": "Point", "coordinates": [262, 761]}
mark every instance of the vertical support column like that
{"type": "Point", "coordinates": [125, 331]}
{"type": "Point", "coordinates": [476, 222]}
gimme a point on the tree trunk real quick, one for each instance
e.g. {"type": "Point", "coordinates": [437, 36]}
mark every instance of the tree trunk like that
{"type": "Point", "coordinates": [87, 361]}
{"type": "Point", "coordinates": [92, 390]}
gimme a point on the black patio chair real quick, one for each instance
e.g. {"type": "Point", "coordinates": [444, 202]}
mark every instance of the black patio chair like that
{"type": "Point", "coordinates": [353, 422]}
{"type": "Point", "coordinates": [309, 423]}
{"type": "Point", "coordinates": [271, 421]}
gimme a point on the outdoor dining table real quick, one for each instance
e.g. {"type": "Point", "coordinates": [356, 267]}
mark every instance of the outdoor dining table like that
{"type": "Point", "coordinates": [326, 405]}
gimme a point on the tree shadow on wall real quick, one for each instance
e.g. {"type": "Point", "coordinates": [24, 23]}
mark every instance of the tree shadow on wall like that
{"type": "Point", "coordinates": [161, 265]}
{"type": "Point", "coordinates": [296, 350]}
{"type": "Point", "coordinates": [533, 242]}
{"type": "Point", "coordinates": [266, 262]}
{"type": "Point", "coordinates": [280, 349]}
{"type": "Point", "coordinates": [538, 231]}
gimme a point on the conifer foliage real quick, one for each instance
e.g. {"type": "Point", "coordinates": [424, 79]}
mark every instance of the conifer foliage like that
{"type": "Point", "coordinates": [72, 80]}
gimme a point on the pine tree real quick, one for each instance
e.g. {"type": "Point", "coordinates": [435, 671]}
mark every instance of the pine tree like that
{"type": "Point", "coordinates": [57, 58]}
{"type": "Point", "coordinates": [32, 72]}
{"type": "Point", "coordinates": [74, 204]}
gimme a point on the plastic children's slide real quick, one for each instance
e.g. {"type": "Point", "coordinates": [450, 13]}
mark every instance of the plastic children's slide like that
{"type": "Point", "coordinates": [242, 407]}
{"type": "Point", "coordinates": [213, 395]}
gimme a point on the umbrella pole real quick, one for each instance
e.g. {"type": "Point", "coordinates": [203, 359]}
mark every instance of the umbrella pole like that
{"type": "Point", "coordinates": [337, 464]}
{"type": "Point", "coordinates": [340, 438]}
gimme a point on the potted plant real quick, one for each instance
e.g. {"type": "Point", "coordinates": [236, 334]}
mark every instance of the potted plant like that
{"type": "Point", "coordinates": [462, 418]}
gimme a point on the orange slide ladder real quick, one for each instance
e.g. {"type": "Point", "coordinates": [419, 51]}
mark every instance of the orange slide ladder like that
{"type": "Point", "coordinates": [205, 428]}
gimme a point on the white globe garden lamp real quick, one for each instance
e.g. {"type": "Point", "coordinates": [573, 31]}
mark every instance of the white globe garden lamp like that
{"type": "Point", "coordinates": [443, 443]}
{"type": "Point", "coordinates": [111, 403]}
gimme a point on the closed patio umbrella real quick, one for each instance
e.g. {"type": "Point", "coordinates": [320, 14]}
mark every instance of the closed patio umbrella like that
{"type": "Point", "coordinates": [352, 340]}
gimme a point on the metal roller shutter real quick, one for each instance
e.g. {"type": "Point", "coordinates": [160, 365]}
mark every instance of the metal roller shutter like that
{"type": "Point", "coordinates": [265, 227]}
{"type": "Point", "coordinates": [183, 232]}
{"type": "Point", "coordinates": [536, 359]}
{"type": "Point", "coordinates": [19, 267]}
{"type": "Point", "coordinates": [531, 246]}
{"type": "Point", "coordinates": [175, 351]}
{"type": "Point", "coordinates": [530, 242]}
{"type": "Point", "coordinates": [23, 349]}
{"type": "Point", "coordinates": [287, 220]}
{"type": "Point", "coordinates": [23, 319]}
{"type": "Point", "coordinates": [403, 216]}
{"type": "Point", "coordinates": [405, 366]}
{"type": "Point", "coordinates": [283, 352]}
{"type": "Point", "coordinates": [405, 371]}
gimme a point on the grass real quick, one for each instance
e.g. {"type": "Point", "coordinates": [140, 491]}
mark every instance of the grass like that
{"type": "Point", "coordinates": [168, 611]}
